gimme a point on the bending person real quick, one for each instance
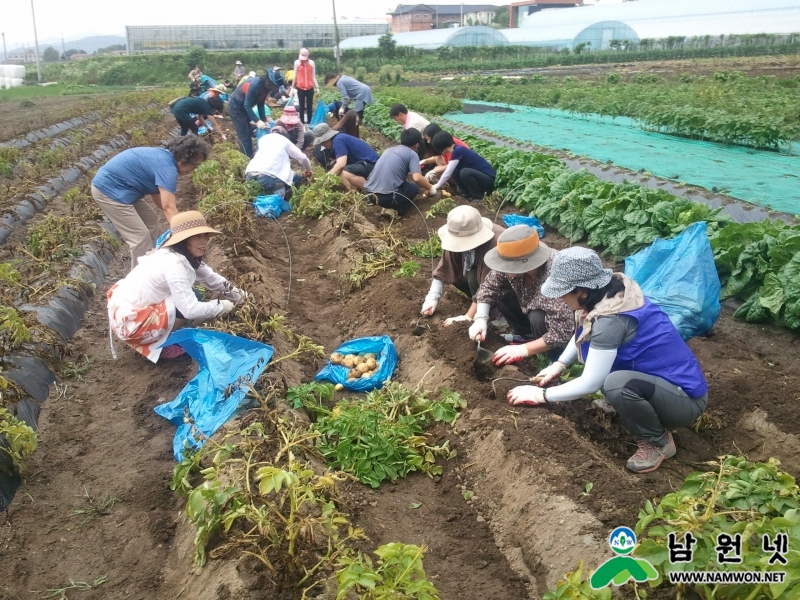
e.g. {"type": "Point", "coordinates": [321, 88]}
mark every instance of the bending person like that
{"type": "Point", "coordinates": [633, 354]}
{"type": "Point", "coordinates": [157, 297]}
{"type": "Point", "coordinates": [120, 185]}
{"type": "Point", "coordinates": [472, 173]}
{"type": "Point", "coordinates": [272, 166]}
{"type": "Point", "coordinates": [520, 264]}
{"type": "Point", "coordinates": [439, 162]}
{"type": "Point", "coordinates": [388, 182]}
{"type": "Point", "coordinates": [466, 239]}
{"type": "Point", "coordinates": [352, 90]}
{"type": "Point", "coordinates": [204, 109]}
{"type": "Point", "coordinates": [354, 158]}
{"type": "Point", "coordinates": [251, 94]}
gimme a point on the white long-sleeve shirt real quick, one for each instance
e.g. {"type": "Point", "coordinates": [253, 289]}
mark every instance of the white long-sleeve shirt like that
{"type": "Point", "coordinates": [274, 158]}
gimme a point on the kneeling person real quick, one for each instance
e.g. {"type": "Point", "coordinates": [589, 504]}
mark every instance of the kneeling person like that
{"type": "Point", "coordinates": [272, 167]}
{"type": "Point", "coordinates": [388, 182]}
{"type": "Point", "coordinates": [354, 158]}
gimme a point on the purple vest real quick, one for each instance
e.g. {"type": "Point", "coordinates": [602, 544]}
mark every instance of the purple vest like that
{"type": "Point", "coordinates": [657, 349]}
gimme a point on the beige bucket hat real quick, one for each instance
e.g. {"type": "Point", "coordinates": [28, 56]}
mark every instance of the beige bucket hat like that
{"type": "Point", "coordinates": [186, 224]}
{"type": "Point", "coordinates": [465, 229]}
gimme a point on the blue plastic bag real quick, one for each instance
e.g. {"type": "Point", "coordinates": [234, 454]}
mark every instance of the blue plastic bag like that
{"type": "Point", "coordinates": [319, 115]}
{"type": "Point", "coordinates": [228, 366]}
{"type": "Point", "coordinates": [163, 238]}
{"type": "Point", "coordinates": [387, 363]}
{"type": "Point", "coordinates": [679, 275]}
{"type": "Point", "coordinates": [272, 206]}
{"type": "Point", "coordinates": [510, 220]}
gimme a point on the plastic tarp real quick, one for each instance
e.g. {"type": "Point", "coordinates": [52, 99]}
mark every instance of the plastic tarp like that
{"type": "Point", "coordinates": [510, 220]}
{"type": "Point", "coordinates": [387, 363]}
{"type": "Point", "coordinates": [272, 206]}
{"type": "Point", "coordinates": [758, 176]}
{"type": "Point", "coordinates": [229, 365]}
{"type": "Point", "coordinates": [679, 275]}
{"type": "Point", "coordinates": [319, 114]}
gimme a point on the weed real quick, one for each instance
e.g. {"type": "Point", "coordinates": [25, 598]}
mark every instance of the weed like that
{"type": "Point", "coordinates": [369, 266]}
{"type": "Point", "coordinates": [587, 489]}
{"type": "Point", "coordinates": [407, 269]}
{"type": "Point", "coordinates": [431, 248]}
{"type": "Point", "coordinates": [442, 207]}
{"type": "Point", "coordinates": [96, 506]}
{"type": "Point", "coordinates": [73, 370]}
{"type": "Point", "coordinates": [82, 586]}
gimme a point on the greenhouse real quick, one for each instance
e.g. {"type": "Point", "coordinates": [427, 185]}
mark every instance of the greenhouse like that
{"type": "Point", "coordinates": [656, 19]}
{"type": "Point", "coordinates": [436, 38]}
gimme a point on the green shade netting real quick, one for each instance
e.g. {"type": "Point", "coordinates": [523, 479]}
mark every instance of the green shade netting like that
{"type": "Point", "coordinates": [769, 179]}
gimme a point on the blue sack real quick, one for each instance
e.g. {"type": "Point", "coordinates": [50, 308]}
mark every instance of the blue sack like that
{"type": "Point", "coordinates": [319, 115]}
{"type": "Point", "coordinates": [679, 275]}
{"type": "Point", "coordinates": [511, 220]}
{"type": "Point", "coordinates": [387, 363]}
{"type": "Point", "coordinates": [228, 366]}
{"type": "Point", "coordinates": [163, 238]}
{"type": "Point", "coordinates": [272, 206]}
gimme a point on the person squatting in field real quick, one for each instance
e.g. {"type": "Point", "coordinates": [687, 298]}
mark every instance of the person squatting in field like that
{"type": "Point", "coordinates": [120, 185]}
{"type": "Point", "coordinates": [271, 166]}
{"type": "Point", "coordinates": [354, 159]}
{"type": "Point", "coordinates": [631, 351]}
{"type": "Point", "coordinates": [157, 297]}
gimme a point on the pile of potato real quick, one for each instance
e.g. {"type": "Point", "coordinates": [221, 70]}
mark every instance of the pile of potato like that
{"type": "Point", "coordinates": [362, 366]}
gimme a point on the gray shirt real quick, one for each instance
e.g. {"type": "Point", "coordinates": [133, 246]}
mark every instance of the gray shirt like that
{"type": "Point", "coordinates": [392, 169]}
{"type": "Point", "coordinates": [612, 331]}
{"type": "Point", "coordinates": [353, 90]}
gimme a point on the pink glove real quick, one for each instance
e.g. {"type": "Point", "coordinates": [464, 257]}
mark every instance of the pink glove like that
{"type": "Point", "coordinates": [510, 354]}
{"type": "Point", "coordinates": [526, 395]}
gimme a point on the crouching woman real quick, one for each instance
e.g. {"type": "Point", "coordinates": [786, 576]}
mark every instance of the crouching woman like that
{"type": "Point", "coordinates": [157, 297]}
{"type": "Point", "coordinates": [632, 353]}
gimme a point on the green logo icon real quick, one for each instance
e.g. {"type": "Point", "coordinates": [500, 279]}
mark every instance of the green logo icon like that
{"type": "Point", "coordinates": [622, 568]}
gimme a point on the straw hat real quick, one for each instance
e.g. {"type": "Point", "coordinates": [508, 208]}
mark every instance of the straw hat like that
{"type": "Point", "coordinates": [518, 251]}
{"type": "Point", "coordinates": [186, 224]}
{"type": "Point", "coordinates": [290, 116]}
{"type": "Point", "coordinates": [465, 229]}
{"type": "Point", "coordinates": [238, 62]}
{"type": "Point", "coordinates": [322, 133]}
{"type": "Point", "coordinates": [572, 268]}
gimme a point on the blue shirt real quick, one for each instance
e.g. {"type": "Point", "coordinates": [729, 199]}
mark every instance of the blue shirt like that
{"type": "Point", "coordinates": [469, 159]}
{"type": "Point", "coordinates": [133, 174]}
{"type": "Point", "coordinates": [353, 148]}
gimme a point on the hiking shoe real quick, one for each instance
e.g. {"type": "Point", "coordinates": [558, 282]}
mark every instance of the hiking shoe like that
{"type": "Point", "coordinates": [649, 457]}
{"type": "Point", "coordinates": [603, 405]}
{"type": "Point", "coordinates": [389, 213]}
{"type": "Point", "coordinates": [173, 351]}
{"type": "Point", "coordinates": [513, 338]}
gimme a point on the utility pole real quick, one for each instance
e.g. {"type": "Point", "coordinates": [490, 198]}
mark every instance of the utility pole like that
{"type": "Point", "coordinates": [461, 24]}
{"type": "Point", "coordinates": [36, 49]}
{"type": "Point", "coordinates": [63, 47]}
{"type": "Point", "coordinates": [5, 52]}
{"type": "Point", "coordinates": [336, 35]}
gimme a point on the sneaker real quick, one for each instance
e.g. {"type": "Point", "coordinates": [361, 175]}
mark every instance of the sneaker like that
{"type": "Point", "coordinates": [389, 213]}
{"type": "Point", "coordinates": [649, 457]}
{"type": "Point", "coordinates": [513, 338]}
{"type": "Point", "coordinates": [603, 405]}
{"type": "Point", "coordinates": [173, 351]}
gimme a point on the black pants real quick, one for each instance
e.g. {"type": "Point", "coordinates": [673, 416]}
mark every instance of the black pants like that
{"type": "Point", "coordinates": [468, 283]}
{"type": "Point", "coordinates": [400, 200]}
{"type": "Point", "coordinates": [306, 100]}
{"type": "Point", "coordinates": [361, 168]}
{"type": "Point", "coordinates": [531, 326]}
{"type": "Point", "coordinates": [241, 123]}
{"type": "Point", "coordinates": [323, 156]}
{"type": "Point", "coordinates": [187, 125]}
{"type": "Point", "coordinates": [475, 184]}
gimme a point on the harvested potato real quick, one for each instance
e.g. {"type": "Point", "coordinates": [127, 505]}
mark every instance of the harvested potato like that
{"type": "Point", "coordinates": [365, 375]}
{"type": "Point", "coordinates": [339, 387]}
{"type": "Point", "coordinates": [358, 360]}
{"type": "Point", "coordinates": [349, 379]}
{"type": "Point", "coordinates": [363, 368]}
{"type": "Point", "coordinates": [350, 356]}
{"type": "Point", "coordinates": [354, 373]}
{"type": "Point", "coordinates": [348, 363]}
{"type": "Point", "coordinates": [372, 364]}
{"type": "Point", "coordinates": [336, 358]}
{"type": "Point", "coordinates": [371, 355]}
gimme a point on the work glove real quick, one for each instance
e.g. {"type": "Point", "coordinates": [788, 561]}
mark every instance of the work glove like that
{"type": "Point", "coordinates": [526, 395]}
{"type": "Point", "coordinates": [341, 112]}
{"type": "Point", "coordinates": [431, 176]}
{"type": "Point", "coordinates": [510, 354]}
{"type": "Point", "coordinates": [239, 296]}
{"type": "Point", "coordinates": [477, 330]}
{"type": "Point", "coordinates": [458, 319]}
{"type": "Point", "coordinates": [432, 299]}
{"type": "Point", "coordinates": [550, 373]}
{"type": "Point", "coordinates": [261, 125]}
{"type": "Point", "coordinates": [431, 193]}
{"type": "Point", "coordinates": [227, 306]}
{"type": "Point", "coordinates": [422, 164]}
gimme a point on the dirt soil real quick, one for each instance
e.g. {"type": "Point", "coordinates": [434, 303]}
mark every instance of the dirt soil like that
{"type": "Point", "coordinates": [16, 121]}
{"type": "Point", "coordinates": [97, 507]}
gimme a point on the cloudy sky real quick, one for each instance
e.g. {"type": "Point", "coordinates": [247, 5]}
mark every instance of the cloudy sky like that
{"type": "Point", "coordinates": [79, 18]}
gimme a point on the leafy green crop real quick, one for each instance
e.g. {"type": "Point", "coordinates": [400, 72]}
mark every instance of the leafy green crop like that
{"type": "Point", "coordinates": [20, 439]}
{"type": "Point", "coordinates": [407, 269]}
{"type": "Point", "coordinates": [431, 248]}
{"type": "Point", "coordinates": [380, 437]}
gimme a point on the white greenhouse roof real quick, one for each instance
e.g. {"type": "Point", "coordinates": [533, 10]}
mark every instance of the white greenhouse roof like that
{"type": "Point", "coordinates": [435, 38]}
{"type": "Point", "coordinates": [664, 18]}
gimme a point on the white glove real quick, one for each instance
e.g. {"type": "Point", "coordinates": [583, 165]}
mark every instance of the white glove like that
{"type": "Point", "coordinates": [341, 111]}
{"type": "Point", "coordinates": [479, 328]}
{"type": "Point", "coordinates": [550, 373]}
{"type": "Point", "coordinates": [432, 299]}
{"type": "Point", "coordinates": [458, 319]}
{"type": "Point", "coordinates": [261, 125]}
{"type": "Point", "coordinates": [510, 354]}
{"type": "Point", "coordinates": [526, 395]}
{"type": "Point", "coordinates": [431, 193]}
{"type": "Point", "coordinates": [227, 306]}
{"type": "Point", "coordinates": [431, 176]}
{"type": "Point", "coordinates": [240, 296]}
{"type": "Point", "coordinates": [422, 164]}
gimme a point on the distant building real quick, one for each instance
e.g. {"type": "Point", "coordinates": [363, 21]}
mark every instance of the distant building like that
{"type": "Point", "coordinates": [422, 17]}
{"type": "Point", "coordinates": [20, 57]}
{"type": "Point", "coordinates": [179, 38]}
{"type": "Point", "coordinates": [80, 56]}
{"type": "Point", "coordinates": [520, 10]}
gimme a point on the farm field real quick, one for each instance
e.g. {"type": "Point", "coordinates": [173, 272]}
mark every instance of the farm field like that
{"type": "Point", "coordinates": [510, 512]}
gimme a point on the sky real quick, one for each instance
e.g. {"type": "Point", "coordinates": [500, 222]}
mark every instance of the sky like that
{"type": "Point", "coordinates": [79, 18]}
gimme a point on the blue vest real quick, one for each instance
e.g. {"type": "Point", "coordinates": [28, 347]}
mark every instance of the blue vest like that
{"type": "Point", "coordinates": [658, 349]}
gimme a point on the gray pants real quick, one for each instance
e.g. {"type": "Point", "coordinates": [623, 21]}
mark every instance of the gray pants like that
{"type": "Point", "coordinates": [649, 405]}
{"type": "Point", "coordinates": [137, 223]}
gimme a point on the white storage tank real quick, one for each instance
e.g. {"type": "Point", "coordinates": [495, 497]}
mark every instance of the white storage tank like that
{"type": "Point", "coordinates": [15, 81]}
{"type": "Point", "coordinates": [2, 82]}
{"type": "Point", "coordinates": [17, 71]}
